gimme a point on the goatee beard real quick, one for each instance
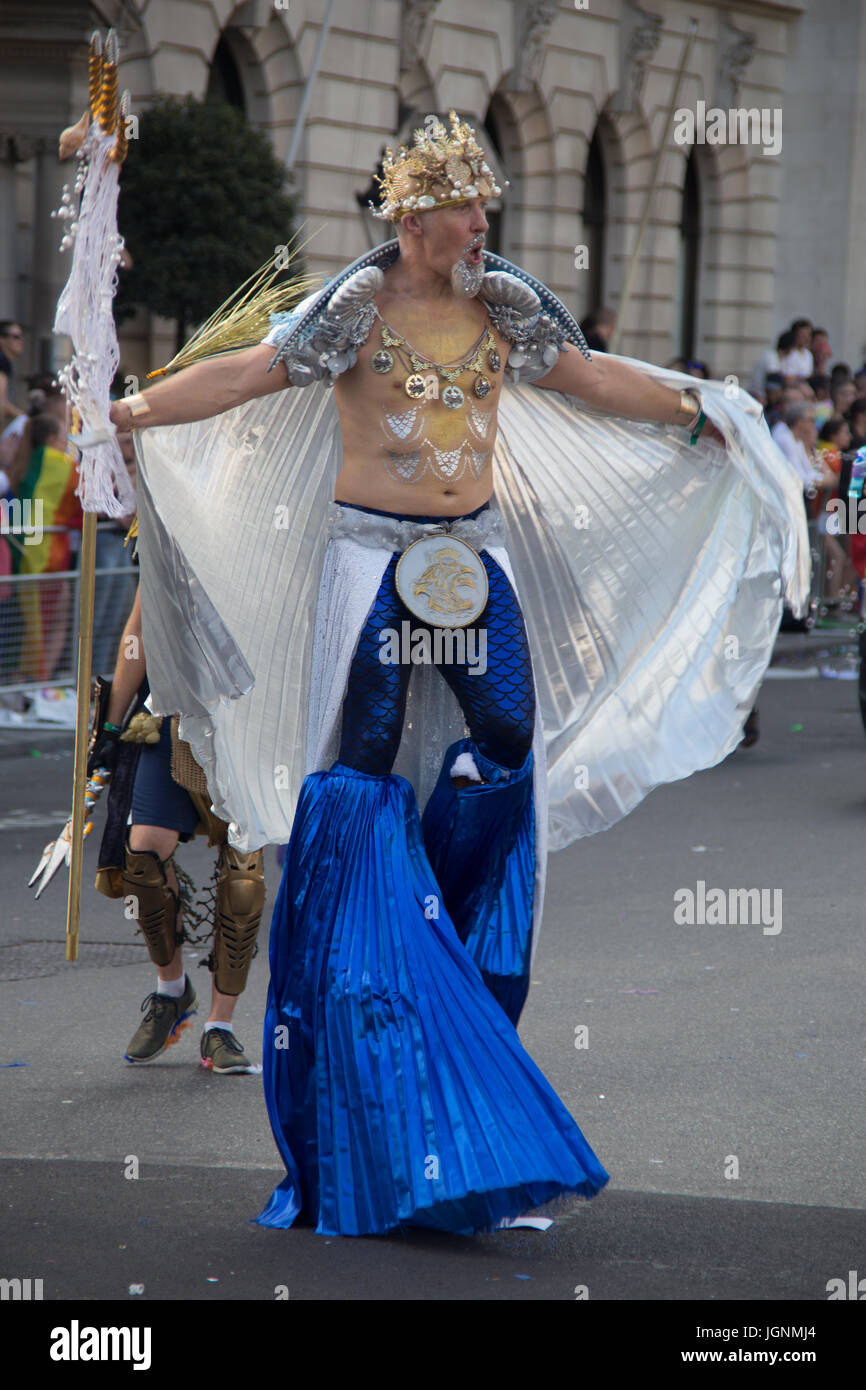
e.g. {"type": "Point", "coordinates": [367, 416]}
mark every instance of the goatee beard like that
{"type": "Point", "coordinates": [466, 279]}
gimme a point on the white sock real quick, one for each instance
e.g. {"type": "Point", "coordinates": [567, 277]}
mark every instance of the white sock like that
{"type": "Point", "coordinates": [464, 766]}
{"type": "Point", "coordinates": [174, 988]}
{"type": "Point", "coordinates": [207, 1027]}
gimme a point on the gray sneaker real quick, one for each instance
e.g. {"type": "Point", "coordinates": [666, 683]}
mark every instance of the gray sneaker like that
{"type": "Point", "coordinates": [221, 1052]}
{"type": "Point", "coordinates": [164, 1020]}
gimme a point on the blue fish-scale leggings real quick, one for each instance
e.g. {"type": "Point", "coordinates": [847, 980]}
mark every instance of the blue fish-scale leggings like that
{"type": "Point", "coordinates": [498, 703]}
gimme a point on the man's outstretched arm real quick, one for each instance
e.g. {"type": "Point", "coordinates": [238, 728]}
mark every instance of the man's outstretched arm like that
{"type": "Point", "coordinates": [206, 388]}
{"type": "Point", "coordinates": [613, 386]}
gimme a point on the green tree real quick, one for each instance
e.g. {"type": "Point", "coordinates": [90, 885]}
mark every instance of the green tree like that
{"type": "Point", "coordinates": [203, 203]}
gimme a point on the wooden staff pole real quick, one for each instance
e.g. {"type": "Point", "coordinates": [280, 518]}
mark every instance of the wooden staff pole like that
{"type": "Point", "coordinates": [631, 270]}
{"type": "Point", "coordinates": [82, 711]}
{"type": "Point", "coordinates": [104, 108]}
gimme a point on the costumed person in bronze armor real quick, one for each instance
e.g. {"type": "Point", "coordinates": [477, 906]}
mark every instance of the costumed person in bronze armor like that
{"type": "Point", "coordinates": [158, 788]}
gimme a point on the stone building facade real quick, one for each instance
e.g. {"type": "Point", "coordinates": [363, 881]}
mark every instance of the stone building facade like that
{"type": "Point", "coordinates": [572, 97]}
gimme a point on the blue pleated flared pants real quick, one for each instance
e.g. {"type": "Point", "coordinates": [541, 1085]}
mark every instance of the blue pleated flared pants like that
{"type": "Point", "coordinates": [397, 1088]}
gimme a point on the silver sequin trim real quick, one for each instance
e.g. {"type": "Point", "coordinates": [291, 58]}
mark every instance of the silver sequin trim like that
{"type": "Point", "coordinates": [446, 464]}
{"type": "Point", "coordinates": [480, 420]}
{"type": "Point", "coordinates": [405, 467]}
{"type": "Point", "coordinates": [386, 533]}
{"type": "Point", "coordinates": [402, 425]}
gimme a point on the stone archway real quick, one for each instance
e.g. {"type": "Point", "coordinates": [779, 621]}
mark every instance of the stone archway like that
{"type": "Point", "coordinates": [626, 144]}
{"type": "Point", "coordinates": [735, 278]}
{"type": "Point", "coordinates": [415, 90]}
{"type": "Point", "coordinates": [501, 140]}
{"type": "Point", "coordinates": [521, 126]}
{"type": "Point", "coordinates": [602, 217]}
{"type": "Point", "coordinates": [175, 53]}
{"type": "Point", "coordinates": [709, 255]}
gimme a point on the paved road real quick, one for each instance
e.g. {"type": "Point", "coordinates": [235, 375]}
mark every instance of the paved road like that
{"type": "Point", "coordinates": [711, 1048]}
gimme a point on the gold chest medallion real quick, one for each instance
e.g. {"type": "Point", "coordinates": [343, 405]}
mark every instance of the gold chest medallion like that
{"type": "Point", "coordinates": [415, 386]}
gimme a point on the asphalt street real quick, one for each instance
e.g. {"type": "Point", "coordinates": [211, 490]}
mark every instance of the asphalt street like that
{"type": "Point", "coordinates": [716, 1069]}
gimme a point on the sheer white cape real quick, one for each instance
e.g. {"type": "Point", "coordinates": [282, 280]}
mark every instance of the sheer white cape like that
{"type": "Point", "coordinates": [651, 575]}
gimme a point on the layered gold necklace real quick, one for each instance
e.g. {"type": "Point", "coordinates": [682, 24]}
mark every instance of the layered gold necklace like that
{"type": "Point", "coordinates": [415, 363]}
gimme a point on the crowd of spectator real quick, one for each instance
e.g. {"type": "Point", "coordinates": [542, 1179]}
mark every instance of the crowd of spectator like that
{"type": "Point", "coordinates": [40, 533]}
{"type": "Point", "coordinates": [817, 416]}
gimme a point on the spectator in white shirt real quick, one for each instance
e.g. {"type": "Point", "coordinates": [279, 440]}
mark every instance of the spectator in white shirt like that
{"type": "Point", "coordinates": [769, 362]}
{"type": "Point", "coordinates": [796, 436]}
{"type": "Point", "coordinates": [798, 362]}
{"type": "Point", "coordinates": [44, 399]}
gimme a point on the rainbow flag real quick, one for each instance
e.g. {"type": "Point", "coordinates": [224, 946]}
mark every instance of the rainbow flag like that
{"type": "Point", "coordinates": [46, 608]}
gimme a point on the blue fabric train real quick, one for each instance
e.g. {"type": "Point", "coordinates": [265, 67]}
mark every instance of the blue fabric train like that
{"type": "Point", "coordinates": [481, 844]}
{"type": "Point", "coordinates": [397, 1089]}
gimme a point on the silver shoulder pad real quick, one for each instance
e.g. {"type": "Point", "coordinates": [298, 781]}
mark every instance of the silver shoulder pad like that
{"type": "Point", "coordinates": [329, 344]}
{"type": "Point", "coordinates": [514, 310]}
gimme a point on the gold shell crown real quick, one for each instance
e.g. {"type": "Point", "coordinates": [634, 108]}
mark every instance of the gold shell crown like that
{"type": "Point", "coordinates": [442, 168]}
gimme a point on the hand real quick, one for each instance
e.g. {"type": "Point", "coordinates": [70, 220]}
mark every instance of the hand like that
{"type": "Point", "coordinates": [119, 415]}
{"type": "Point", "coordinates": [103, 751]}
{"type": "Point", "coordinates": [89, 439]}
{"type": "Point", "coordinates": [710, 432]}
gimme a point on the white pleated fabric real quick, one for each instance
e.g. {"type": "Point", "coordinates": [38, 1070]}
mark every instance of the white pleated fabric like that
{"type": "Point", "coordinates": [232, 533]}
{"type": "Point", "coordinates": [651, 575]}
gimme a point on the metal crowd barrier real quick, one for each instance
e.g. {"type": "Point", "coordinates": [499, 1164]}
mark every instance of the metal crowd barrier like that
{"type": "Point", "coordinates": [39, 616]}
{"type": "Point", "coordinates": [818, 596]}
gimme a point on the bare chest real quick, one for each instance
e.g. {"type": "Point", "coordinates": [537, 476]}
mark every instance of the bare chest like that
{"type": "Point", "coordinates": [438, 378]}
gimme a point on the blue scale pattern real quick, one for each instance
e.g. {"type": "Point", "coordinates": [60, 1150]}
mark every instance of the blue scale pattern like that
{"type": "Point", "coordinates": [498, 704]}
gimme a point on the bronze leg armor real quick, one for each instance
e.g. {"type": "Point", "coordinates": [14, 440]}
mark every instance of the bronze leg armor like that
{"type": "Point", "coordinates": [239, 903]}
{"type": "Point", "coordinates": [143, 878]}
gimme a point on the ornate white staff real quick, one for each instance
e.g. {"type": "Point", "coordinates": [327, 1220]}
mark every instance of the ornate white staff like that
{"type": "Point", "coordinates": [84, 313]}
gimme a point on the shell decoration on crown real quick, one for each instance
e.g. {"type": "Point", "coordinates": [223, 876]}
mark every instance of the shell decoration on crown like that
{"type": "Point", "coordinates": [442, 168]}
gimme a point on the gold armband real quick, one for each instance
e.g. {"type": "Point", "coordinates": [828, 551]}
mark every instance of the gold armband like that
{"type": "Point", "coordinates": [690, 408]}
{"type": "Point", "coordinates": [137, 405]}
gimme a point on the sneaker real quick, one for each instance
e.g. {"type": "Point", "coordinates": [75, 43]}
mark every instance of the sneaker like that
{"type": "Point", "coordinates": [221, 1052]}
{"type": "Point", "coordinates": [164, 1020]}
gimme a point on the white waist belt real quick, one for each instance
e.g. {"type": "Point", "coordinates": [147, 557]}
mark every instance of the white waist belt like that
{"type": "Point", "coordinates": [387, 533]}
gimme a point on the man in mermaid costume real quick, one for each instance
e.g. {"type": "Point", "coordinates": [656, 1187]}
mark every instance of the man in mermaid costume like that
{"type": "Point", "coordinates": [556, 642]}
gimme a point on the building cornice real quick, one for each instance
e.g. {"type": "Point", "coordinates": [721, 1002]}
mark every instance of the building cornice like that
{"type": "Point", "coordinates": [766, 9]}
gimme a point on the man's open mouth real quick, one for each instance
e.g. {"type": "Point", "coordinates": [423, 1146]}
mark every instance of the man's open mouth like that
{"type": "Point", "coordinates": [474, 252]}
